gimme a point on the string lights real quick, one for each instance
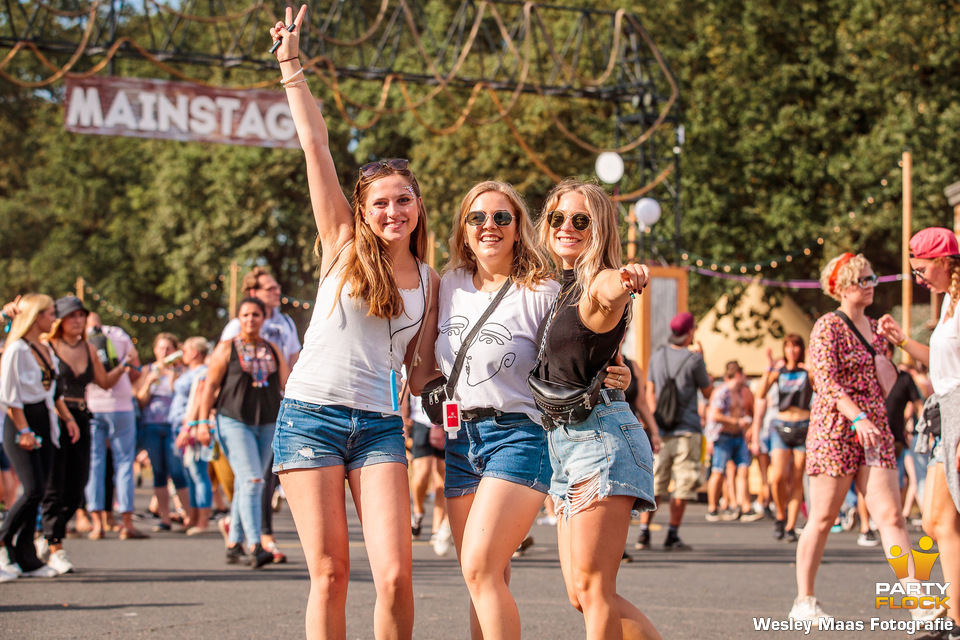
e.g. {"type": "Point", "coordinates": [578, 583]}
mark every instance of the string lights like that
{"type": "Point", "coordinates": [153, 318]}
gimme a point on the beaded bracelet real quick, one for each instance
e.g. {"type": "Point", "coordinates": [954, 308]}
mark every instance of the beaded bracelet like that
{"type": "Point", "coordinates": [860, 416]}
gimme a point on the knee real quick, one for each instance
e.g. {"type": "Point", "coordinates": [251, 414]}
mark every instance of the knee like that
{"type": "Point", "coordinates": [590, 588]}
{"type": "Point", "coordinates": [476, 570]}
{"type": "Point", "coordinates": [328, 580]}
{"type": "Point", "coordinates": [394, 583]}
{"type": "Point", "coordinates": [889, 516]}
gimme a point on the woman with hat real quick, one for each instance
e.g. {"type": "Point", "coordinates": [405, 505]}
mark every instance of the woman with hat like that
{"type": "Point", "coordinates": [31, 432]}
{"type": "Point", "coordinates": [79, 366]}
{"type": "Point", "coordinates": [935, 260]}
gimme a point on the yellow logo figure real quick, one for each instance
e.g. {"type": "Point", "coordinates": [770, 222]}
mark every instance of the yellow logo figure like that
{"type": "Point", "coordinates": [922, 561]}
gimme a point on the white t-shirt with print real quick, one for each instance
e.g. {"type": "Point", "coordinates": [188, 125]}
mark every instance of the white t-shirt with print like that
{"type": "Point", "coordinates": [494, 373]}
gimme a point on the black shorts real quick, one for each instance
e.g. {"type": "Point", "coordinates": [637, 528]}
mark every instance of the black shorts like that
{"type": "Point", "coordinates": [421, 442]}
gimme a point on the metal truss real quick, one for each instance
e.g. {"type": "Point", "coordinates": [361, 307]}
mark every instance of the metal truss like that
{"type": "Point", "coordinates": [505, 46]}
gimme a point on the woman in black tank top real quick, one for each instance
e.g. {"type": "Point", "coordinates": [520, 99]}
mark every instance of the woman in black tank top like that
{"type": "Point", "coordinates": [602, 466]}
{"type": "Point", "coordinates": [68, 475]}
{"type": "Point", "coordinates": [249, 373]}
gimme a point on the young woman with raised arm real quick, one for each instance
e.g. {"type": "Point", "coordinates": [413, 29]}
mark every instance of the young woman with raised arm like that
{"type": "Point", "coordinates": [340, 415]}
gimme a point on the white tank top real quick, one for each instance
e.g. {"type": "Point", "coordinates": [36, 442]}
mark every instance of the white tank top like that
{"type": "Point", "coordinates": [346, 353]}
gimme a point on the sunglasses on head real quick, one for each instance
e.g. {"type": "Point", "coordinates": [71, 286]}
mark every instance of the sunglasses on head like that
{"type": "Point", "coordinates": [373, 168]}
{"type": "Point", "coordinates": [580, 221]}
{"type": "Point", "coordinates": [868, 281]}
{"type": "Point", "coordinates": [500, 218]}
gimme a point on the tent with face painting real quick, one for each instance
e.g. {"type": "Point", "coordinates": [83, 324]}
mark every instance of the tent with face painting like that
{"type": "Point", "coordinates": [742, 326]}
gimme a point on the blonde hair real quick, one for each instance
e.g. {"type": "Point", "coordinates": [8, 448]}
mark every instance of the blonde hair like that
{"type": "Point", "coordinates": [530, 266]}
{"type": "Point", "coordinates": [603, 250]}
{"type": "Point", "coordinates": [198, 344]}
{"type": "Point", "coordinates": [31, 305]}
{"type": "Point", "coordinates": [166, 336]}
{"type": "Point", "coordinates": [369, 267]}
{"type": "Point", "coordinates": [846, 275]}
{"type": "Point", "coordinates": [953, 266]}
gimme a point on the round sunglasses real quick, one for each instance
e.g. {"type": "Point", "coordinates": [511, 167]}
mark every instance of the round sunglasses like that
{"type": "Point", "coordinates": [868, 281]}
{"type": "Point", "coordinates": [500, 218]}
{"type": "Point", "coordinates": [373, 168]}
{"type": "Point", "coordinates": [580, 221]}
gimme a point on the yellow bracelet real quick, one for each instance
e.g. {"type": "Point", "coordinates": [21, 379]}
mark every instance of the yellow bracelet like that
{"type": "Point", "coordinates": [905, 341]}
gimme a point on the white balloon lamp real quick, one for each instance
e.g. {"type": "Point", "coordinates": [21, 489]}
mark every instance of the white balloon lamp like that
{"type": "Point", "coordinates": [609, 167]}
{"type": "Point", "coordinates": [647, 212]}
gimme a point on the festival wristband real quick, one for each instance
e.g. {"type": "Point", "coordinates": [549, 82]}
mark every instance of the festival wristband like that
{"type": "Point", "coordinates": [860, 416]}
{"type": "Point", "coordinates": [24, 431]}
{"type": "Point", "coordinates": [903, 342]}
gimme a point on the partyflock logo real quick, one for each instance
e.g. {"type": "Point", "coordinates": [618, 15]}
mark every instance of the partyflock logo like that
{"type": "Point", "coordinates": [915, 594]}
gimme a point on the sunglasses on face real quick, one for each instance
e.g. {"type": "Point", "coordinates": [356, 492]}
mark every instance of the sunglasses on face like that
{"type": "Point", "coordinates": [500, 218]}
{"type": "Point", "coordinates": [868, 281]}
{"type": "Point", "coordinates": [580, 221]}
{"type": "Point", "coordinates": [373, 168]}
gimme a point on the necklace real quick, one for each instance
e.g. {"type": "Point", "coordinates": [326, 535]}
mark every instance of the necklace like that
{"type": "Point", "coordinates": [74, 345]}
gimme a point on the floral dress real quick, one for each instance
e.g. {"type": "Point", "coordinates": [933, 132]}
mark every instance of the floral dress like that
{"type": "Point", "coordinates": [838, 364]}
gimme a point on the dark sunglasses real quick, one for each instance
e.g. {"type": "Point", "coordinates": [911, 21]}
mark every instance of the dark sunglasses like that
{"type": "Point", "coordinates": [373, 168]}
{"type": "Point", "coordinates": [500, 218]}
{"type": "Point", "coordinates": [580, 221]}
{"type": "Point", "coordinates": [868, 281]}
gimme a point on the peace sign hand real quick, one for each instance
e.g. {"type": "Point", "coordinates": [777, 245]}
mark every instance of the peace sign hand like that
{"type": "Point", "coordinates": [289, 40]}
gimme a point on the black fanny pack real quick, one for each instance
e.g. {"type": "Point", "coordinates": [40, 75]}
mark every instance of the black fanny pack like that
{"type": "Point", "coordinates": [793, 434]}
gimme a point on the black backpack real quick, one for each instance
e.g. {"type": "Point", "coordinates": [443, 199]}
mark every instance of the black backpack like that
{"type": "Point", "coordinates": [667, 410]}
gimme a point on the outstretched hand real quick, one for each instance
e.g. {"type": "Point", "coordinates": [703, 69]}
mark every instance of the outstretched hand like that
{"type": "Point", "coordinates": [634, 277]}
{"type": "Point", "coordinates": [890, 330]}
{"type": "Point", "coordinates": [289, 40]}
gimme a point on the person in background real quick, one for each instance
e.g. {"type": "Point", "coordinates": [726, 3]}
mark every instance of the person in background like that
{"type": "Point", "coordinates": [249, 373]}
{"type": "Point", "coordinates": [427, 467]}
{"type": "Point", "coordinates": [30, 400]}
{"type": "Point", "coordinates": [679, 457]}
{"type": "Point", "coordinates": [114, 420]}
{"type": "Point", "coordinates": [195, 455]}
{"type": "Point", "coordinates": [155, 395]}
{"type": "Point", "coordinates": [279, 329]}
{"type": "Point", "coordinates": [79, 367]}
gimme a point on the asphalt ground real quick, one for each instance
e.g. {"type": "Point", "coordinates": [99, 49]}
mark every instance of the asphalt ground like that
{"type": "Point", "coordinates": [172, 586]}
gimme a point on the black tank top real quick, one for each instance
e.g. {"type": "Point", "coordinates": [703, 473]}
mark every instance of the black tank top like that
{"type": "Point", "coordinates": [795, 389]}
{"type": "Point", "coordinates": [574, 354]}
{"type": "Point", "coordinates": [72, 384]}
{"type": "Point", "coordinates": [244, 399]}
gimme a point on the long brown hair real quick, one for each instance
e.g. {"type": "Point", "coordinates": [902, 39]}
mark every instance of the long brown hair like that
{"type": "Point", "coordinates": [604, 251]}
{"type": "Point", "coordinates": [369, 267]}
{"type": "Point", "coordinates": [530, 266]}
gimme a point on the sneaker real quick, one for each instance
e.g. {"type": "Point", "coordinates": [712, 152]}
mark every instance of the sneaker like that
{"type": "Point", "coordinates": [790, 535]}
{"type": "Point", "coordinates": [416, 524]}
{"type": "Point", "coordinates": [278, 556]}
{"type": "Point", "coordinates": [6, 565]}
{"type": "Point", "coordinates": [674, 543]}
{"type": "Point", "coordinates": [277, 500]}
{"type": "Point", "coordinates": [522, 549]}
{"type": "Point", "coordinates": [751, 516]}
{"type": "Point", "coordinates": [836, 529]}
{"type": "Point", "coordinates": [848, 519]}
{"type": "Point", "coordinates": [808, 608]}
{"type": "Point", "coordinates": [730, 515]}
{"type": "Point", "coordinates": [259, 556]}
{"type": "Point", "coordinates": [643, 542]}
{"type": "Point", "coordinates": [442, 540]}
{"type": "Point", "coordinates": [868, 539]}
{"type": "Point", "coordinates": [7, 576]}
{"type": "Point", "coordinates": [712, 516]}
{"type": "Point", "coordinates": [161, 527]}
{"type": "Point", "coordinates": [779, 529]}
{"type": "Point", "coordinates": [769, 513]}
{"type": "Point", "coordinates": [43, 548]}
{"type": "Point", "coordinates": [60, 562]}
{"type": "Point", "coordinates": [927, 615]}
{"type": "Point", "coordinates": [43, 571]}
{"type": "Point", "coordinates": [235, 554]}
{"type": "Point", "coordinates": [627, 558]}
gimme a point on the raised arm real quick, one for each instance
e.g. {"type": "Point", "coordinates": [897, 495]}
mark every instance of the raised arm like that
{"type": "Point", "coordinates": [105, 379]}
{"type": "Point", "coordinates": [331, 210]}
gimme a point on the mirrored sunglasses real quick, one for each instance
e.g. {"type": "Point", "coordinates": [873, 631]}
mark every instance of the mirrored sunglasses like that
{"type": "Point", "coordinates": [580, 221]}
{"type": "Point", "coordinates": [500, 218]}
{"type": "Point", "coordinates": [373, 168]}
{"type": "Point", "coordinates": [868, 281]}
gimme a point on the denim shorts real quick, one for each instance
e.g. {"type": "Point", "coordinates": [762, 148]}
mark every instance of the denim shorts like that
{"type": "Point", "coordinates": [608, 454]}
{"type": "Point", "coordinates": [776, 442]}
{"type": "Point", "coordinates": [730, 447]}
{"type": "Point", "coordinates": [311, 436]}
{"type": "Point", "coordinates": [510, 447]}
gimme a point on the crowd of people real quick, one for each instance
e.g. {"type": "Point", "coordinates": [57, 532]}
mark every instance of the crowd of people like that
{"type": "Point", "coordinates": [499, 382]}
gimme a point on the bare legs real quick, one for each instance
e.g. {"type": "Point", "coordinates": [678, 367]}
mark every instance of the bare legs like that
{"type": "Point", "coordinates": [942, 522]}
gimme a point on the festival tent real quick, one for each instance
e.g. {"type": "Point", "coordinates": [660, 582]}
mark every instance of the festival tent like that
{"type": "Point", "coordinates": [742, 326]}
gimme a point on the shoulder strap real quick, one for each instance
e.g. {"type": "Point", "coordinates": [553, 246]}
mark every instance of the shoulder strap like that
{"type": "Point", "coordinates": [666, 363]}
{"type": "Point", "coordinates": [856, 332]}
{"type": "Point", "coordinates": [462, 354]}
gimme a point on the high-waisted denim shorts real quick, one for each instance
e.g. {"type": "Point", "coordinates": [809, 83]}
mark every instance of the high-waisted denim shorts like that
{"type": "Point", "coordinates": [606, 455]}
{"type": "Point", "coordinates": [310, 436]}
{"type": "Point", "coordinates": [510, 447]}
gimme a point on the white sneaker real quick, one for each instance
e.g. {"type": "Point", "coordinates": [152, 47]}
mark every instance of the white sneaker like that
{"type": "Point", "coordinates": [8, 566]}
{"type": "Point", "coordinates": [927, 615]}
{"type": "Point", "coordinates": [43, 548]}
{"type": "Point", "coordinates": [808, 608]}
{"type": "Point", "coordinates": [442, 540]}
{"type": "Point", "coordinates": [60, 562]}
{"type": "Point", "coordinates": [6, 576]}
{"type": "Point", "coordinates": [45, 571]}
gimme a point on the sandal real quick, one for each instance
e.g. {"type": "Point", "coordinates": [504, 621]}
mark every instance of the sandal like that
{"type": "Point", "coordinates": [133, 534]}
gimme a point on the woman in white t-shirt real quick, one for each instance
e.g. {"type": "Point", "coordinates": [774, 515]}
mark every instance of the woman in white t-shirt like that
{"type": "Point", "coordinates": [935, 260]}
{"type": "Point", "coordinates": [497, 468]}
{"type": "Point", "coordinates": [340, 415]}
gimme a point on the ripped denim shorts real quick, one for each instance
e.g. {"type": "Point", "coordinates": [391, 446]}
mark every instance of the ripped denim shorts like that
{"type": "Point", "coordinates": [310, 436]}
{"type": "Point", "coordinates": [606, 455]}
